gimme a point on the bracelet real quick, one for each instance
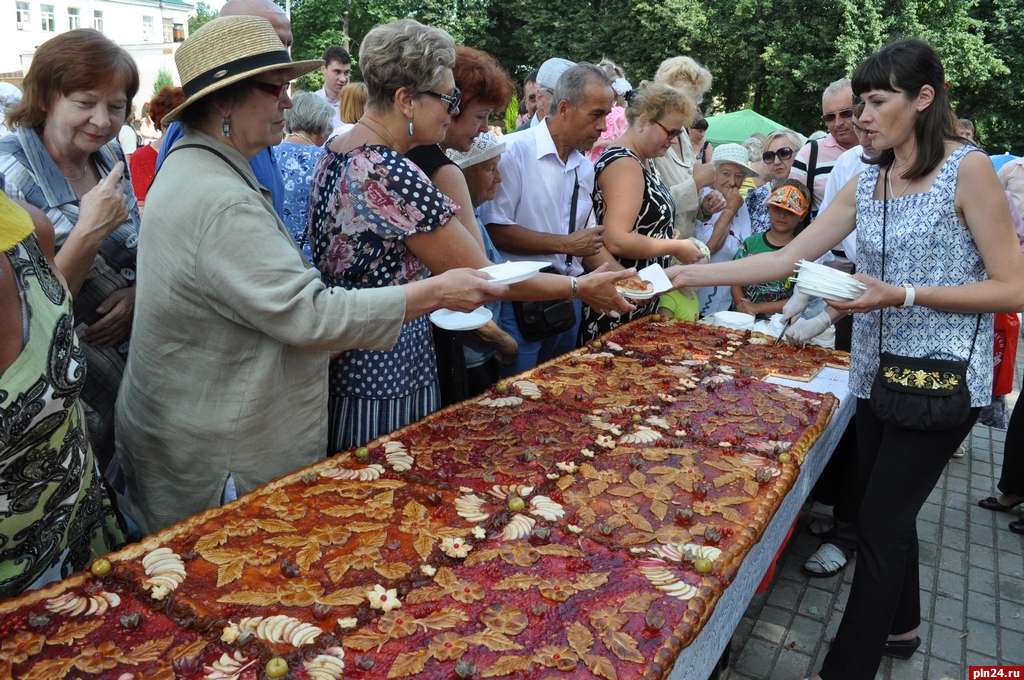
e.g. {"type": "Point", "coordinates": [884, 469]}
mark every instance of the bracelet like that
{"type": "Point", "coordinates": [574, 290]}
{"type": "Point", "coordinates": [908, 301]}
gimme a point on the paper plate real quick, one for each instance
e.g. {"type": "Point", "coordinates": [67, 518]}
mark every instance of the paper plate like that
{"type": "Point", "coordinates": [461, 321]}
{"type": "Point", "coordinates": [514, 272]}
{"type": "Point", "coordinates": [653, 274]}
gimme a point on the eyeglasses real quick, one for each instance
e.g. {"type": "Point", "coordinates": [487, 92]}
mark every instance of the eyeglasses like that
{"type": "Point", "coordinates": [452, 100]}
{"type": "Point", "coordinates": [784, 154]}
{"type": "Point", "coordinates": [274, 89]}
{"type": "Point", "coordinates": [842, 113]}
{"type": "Point", "coordinates": [671, 134]}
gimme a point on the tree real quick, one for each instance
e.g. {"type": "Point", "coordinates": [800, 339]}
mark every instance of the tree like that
{"type": "Point", "coordinates": [163, 79]}
{"type": "Point", "coordinates": [203, 14]}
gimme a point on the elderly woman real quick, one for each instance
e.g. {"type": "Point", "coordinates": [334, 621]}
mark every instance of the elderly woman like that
{"type": "Point", "coordinates": [143, 161]}
{"type": "Point", "coordinates": [351, 105]}
{"type": "Point", "coordinates": [226, 386]}
{"type": "Point", "coordinates": [62, 148]}
{"type": "Point", "coordinates": [725, 230]}
{"type": "Point", "coordinates": [630, 199]}
{"type": "Point", "coordinates": [308, 122]}
{"type": "Point", "coordinates": [56, 516]}
{"type": "Point", "coordinates": [779, 152]}
{"type": "Point", "coordinates": [378, 219]}
{"type": "Point", "coordinates": [685, 177]}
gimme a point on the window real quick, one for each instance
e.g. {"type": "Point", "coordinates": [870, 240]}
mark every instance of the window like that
{"type": "Point", "coordinates": [179, 33]}
{"type": "Point", "coordinates": [147, 28]}
{"type": "Point", "coordinates": [24, 16]}
{"type": "Point", "coordinates": [97, 20]}
{"type": "Point", "coordinates": [168, 26]}
{"type": "Point", "coordinates": [47, 19]}
{"type": "Point", "coordinates": [74, 18]}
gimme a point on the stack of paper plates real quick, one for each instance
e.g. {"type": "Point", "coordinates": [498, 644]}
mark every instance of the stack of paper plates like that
{"type": "Point", "coordinates": [826, 282]}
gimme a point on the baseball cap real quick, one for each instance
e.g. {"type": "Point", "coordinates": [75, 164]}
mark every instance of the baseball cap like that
{"type": "Point", "coordinates": [789, 198]}
{"type": "Point", "coordinates": [551, 70]}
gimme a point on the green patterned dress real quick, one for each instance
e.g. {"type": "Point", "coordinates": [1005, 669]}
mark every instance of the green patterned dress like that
{"type": "Point", "coordinates": [55, 515]}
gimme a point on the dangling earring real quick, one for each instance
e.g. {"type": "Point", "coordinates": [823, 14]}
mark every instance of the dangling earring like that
{"type": "Point", "coordinates": [225, 126]}
{"type": "Point", "coordinates": [411, 128]}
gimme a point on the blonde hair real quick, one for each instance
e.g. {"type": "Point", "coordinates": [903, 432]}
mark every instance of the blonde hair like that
{"type": "Point", "coordinates": [788, 135]}
{"type": "Point", "coordinates": [352, 102]}
{"type": "Point", "coordinates": [653, 101]}
{"type": "Point", "coordinates": [686, 74]}
{"type": "Point", "coordinates": [403, 53]}
{"type": "Point", "coordinates": [611, 69]}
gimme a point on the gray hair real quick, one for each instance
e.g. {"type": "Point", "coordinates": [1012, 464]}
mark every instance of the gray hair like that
{"type": "Point", "coordinates": [754, 144]}
{"type": "Point", "coordinates": [836, 86]}
{"type": "Point", "coordinates": [309, 113]}
{"type": "Point", "coordinates": [788, 135]}
{"type": "Point", "coordinates": [403, 53]}
{"type": "Point", "coordinates": [572, 84]}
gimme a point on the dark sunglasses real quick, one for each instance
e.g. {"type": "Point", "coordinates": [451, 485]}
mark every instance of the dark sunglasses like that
{"type": "Point", "coordinates": [784, 154]}
{"type": "Point", "coordinates": [274, 89]}
{"type": "Point", "coordinates": [452, 100]}
{"type": "Point", "coordinates": [671, 134]}
{"type": "Point", "coordinates": [844, 113]}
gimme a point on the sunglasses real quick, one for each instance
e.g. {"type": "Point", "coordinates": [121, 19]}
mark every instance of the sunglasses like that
{"type": "Point", "coordinates": [843, 113]}
{"type": "Point", "coordinates": [275, 89]}
{"type": "Point", "coordinates": [452, 100]}
{"type": "Point", "coordinates": [784, 154]}
{"type": "Point", "coordinates": [671, 134]}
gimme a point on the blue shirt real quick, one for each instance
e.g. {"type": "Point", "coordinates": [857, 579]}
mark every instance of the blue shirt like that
{"type": "Point", "coordinates": [263, 166]}
{"type": "Point", "coordinates": [296, 163]}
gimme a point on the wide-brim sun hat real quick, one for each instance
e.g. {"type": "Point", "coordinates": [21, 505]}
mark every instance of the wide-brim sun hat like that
{"type": "Point", "coordinates": [734, 153]}
{"type": "Point", "coordinates": [227, 50]}
{"type": "Point", "coordinates": [486, 146]}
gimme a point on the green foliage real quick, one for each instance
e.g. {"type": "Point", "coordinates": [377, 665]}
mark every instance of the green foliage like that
{"type": "Point", "coordinates": [775, 56]}
{"type": "Point", "coordinates": [512, 114]}
{"type": "Point", "coordinates": [163, 79]}
{"type": "Point", "coordinates": [203, 14]}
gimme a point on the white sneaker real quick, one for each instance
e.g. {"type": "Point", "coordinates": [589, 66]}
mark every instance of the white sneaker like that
{"type": "Point", "coordinates": [961, 451]}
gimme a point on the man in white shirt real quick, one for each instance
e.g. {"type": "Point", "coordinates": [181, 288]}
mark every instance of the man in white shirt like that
{"type": "Point", "coordinates": [337, 70]}
{"type": "Point", "coordinates": [849, 165]}
{"type": "Point", "coordinates": [544, 174]}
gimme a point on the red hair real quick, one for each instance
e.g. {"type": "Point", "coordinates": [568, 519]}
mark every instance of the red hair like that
{"type": "Point", "coordinates": [481, 78]}
{"type": "Point", "coordinates": [82, 59]}
{"type": "Point", "coordinates": [163, 102]}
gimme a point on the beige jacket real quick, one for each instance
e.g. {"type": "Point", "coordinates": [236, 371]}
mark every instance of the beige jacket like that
{"type": "Point", "coordinates": [227, 370]}
{"type": "Point", "coordinates": [676, 172]}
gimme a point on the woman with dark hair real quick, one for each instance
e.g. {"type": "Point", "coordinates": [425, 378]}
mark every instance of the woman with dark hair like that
{"type": "Point", "coordinates": [62, 148]}
{"type": "Point", "coordinates": [703, 152]}
{"type": "Point", "coordinates": [143, 161]}
{"type": "Point", "coordinates": [937, 251]}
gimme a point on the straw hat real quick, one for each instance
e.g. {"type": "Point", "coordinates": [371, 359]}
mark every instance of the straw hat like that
{"type": "Point", "coordinates": [485, 147]}
{"type": "Point", "coordinates": [227, 50]}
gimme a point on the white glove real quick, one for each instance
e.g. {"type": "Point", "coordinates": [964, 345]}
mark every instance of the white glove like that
{"type": "Point", "coordinates": [803, 330]}
{"type": "Point", "coordinates": [795, 305]}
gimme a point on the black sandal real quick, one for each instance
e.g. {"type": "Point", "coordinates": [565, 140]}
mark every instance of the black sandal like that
{"type": "Point", "coordinates": [901, 649]}
{"type": "Point", "coordinates": [992, 503]}
{"type": "Point", "coordinates": [1017, 526]}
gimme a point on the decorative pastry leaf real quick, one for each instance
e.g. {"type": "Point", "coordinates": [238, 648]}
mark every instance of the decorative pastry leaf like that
{"type": "Point", "coordinates": [625, 491]}
{"type": "Point", "coordinates": [48, 669]}
{"type": "Point", "coordinates": [639, 522]}
{"type": "Point", "coordinates": [481, 556]}
{"type": "Point", "coordinates": [71, 631]}
{"type": "Point", "coordinates": [287, 541]}
{"type": "Point", "coordinates": [409, 663]}
{"type": "Point", "coordinates": [229, 572]}
{"type": "Point", "coordinates": [425, 594]}
{"type": "Point", "coordinates": [342, 511]}
{"type": "Point", "coordinates": [221, 555]}
{"type": "Point", "coordinates": [392, 570]}
{"type": "Point", "coordinates": [249, 597]}
{"type": "Point", "coordinates": [442, 619]}
{"type": "Point", "coordinates": [517, 582]}
{"type": "Point", "coordinates": [423, 544]}
{"type": "Point", "coordinates": [364, 640]}
{"type": "Point", "coordinates": [555, 550]}
{"type": "Point", "coordinates": [608, 620]}
{"type": "Point", "coordinates": [585, 516]}
{"type": "Point", "coordinates": [600, 666]}
{"type": "Point", "coordinates": [274, 526]}
{"type": "Point", "coordinates": [507, 665]}
{"type": "Point", "coordinates": [638, 602]}
{"type": "Point", "coordinates": [596, 488]}
{"type": "Point", "coordinates": [344, 596]}
{"type": "Point", "coordinates": [637, 538]}
{"type": "Point", "coordinates": [146, 652]}
{"type": "Point", "coordinates": [580, 638]}
{"type": "Point", "coordinates": [659, 509]}
{"type": "Point", "coordinates": [493, 640]}
{"type": "Point", "coordinates": [364, 527]}
{"type": "Point", "coordinates": [592, 580]}
{"type": "Point", "coordinates": [565, 481]}
{"type": "Point", "coordinates": [212, 540]}
{"type": "Point", "coordinates": [446, 578]}
{"type": "Point", "coordinates": [339, 566]}
{"type": "Point", "coordinates": [189, 650]}
{"type": "Point", "coordinates": [623, 646]}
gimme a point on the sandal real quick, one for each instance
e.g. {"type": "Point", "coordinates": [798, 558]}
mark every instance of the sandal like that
{"type": "Point", "coordinates": [901, 649]}
{"type": "Point", "coordinates": [992, 503]}
{"type": "Point", "coordinates": [820, 525]}
{"type": "Point", "coordinates": [828, 560]}
{"type": "Point", "coordinates": [1017, 526]}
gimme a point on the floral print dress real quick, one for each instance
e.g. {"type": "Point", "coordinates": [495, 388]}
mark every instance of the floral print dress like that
{"type": "Point", "coordinates": [364, 205]}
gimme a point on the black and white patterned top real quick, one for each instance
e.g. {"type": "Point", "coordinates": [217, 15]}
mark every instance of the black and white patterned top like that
{"type": "Point", "coordinates": [926, 245]}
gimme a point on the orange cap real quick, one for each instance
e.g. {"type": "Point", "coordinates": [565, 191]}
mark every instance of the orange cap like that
{"type": "Point", "coordinates": [790, 199]}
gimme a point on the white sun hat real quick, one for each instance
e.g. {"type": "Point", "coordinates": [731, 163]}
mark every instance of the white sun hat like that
{"type": "Point", "coordinates": [486, 146]}
{"type": "Point", "coordinates": [734, 153]}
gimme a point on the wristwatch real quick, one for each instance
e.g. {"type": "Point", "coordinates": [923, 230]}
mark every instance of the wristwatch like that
{"type": "Point", "coordinates": [908, 300]}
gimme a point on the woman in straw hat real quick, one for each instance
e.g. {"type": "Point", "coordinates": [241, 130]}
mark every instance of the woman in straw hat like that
{"type": "Point", "coordinates": [377, 219]}
{"type": "Point", "coordinates": [56, 513]}
{"type": "Point", "coordinates": [226, 386]}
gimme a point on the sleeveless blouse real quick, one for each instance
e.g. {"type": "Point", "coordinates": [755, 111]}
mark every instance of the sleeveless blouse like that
{"type": "Point", "coordinates": [54, 512]}
{"type": "Point", "coordinates": [927, 244]}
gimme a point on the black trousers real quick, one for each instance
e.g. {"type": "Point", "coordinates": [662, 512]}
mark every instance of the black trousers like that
{"type": "Point", "coordinates": [838, 486]}
{"type": "Point", "coordinates": [897, 469]}
{"type": "Point", "coordinates": [1011, 480]}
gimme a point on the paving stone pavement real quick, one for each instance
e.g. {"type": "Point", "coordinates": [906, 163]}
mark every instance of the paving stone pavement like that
{"type": "Point", "coordinates": [972, 588]}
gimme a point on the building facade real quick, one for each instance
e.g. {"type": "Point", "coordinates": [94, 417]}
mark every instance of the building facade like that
{"type": "Point", "coordinates": [150, 30]}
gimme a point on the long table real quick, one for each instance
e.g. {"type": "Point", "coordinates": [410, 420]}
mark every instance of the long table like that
{"type": "Point", "coordinates": [698, 660]}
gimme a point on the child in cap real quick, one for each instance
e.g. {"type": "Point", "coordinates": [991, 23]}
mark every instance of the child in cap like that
{"type": "Point", "coordinates": [789, 207]}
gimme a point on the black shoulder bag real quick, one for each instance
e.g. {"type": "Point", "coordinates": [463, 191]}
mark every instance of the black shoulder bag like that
{"type": "Point", "coordinates": [918, 393]}
{"type": "Point", "coordinates": [539, 320]}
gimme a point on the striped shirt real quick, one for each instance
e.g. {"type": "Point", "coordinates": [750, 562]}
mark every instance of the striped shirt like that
{"type": "Point", "coordinates": [828, 152]}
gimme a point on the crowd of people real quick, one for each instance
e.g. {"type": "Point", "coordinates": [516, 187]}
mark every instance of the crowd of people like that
{"type": "Point", "coordinates": [248, 292]}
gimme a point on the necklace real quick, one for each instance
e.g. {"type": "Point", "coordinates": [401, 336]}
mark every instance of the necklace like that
{"type": "Point", "coordinates": [892, 192]}
{"type": "Point", "coordinates": [382, 132]}
{"type": "Point", "coordinates": [74, 178]}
